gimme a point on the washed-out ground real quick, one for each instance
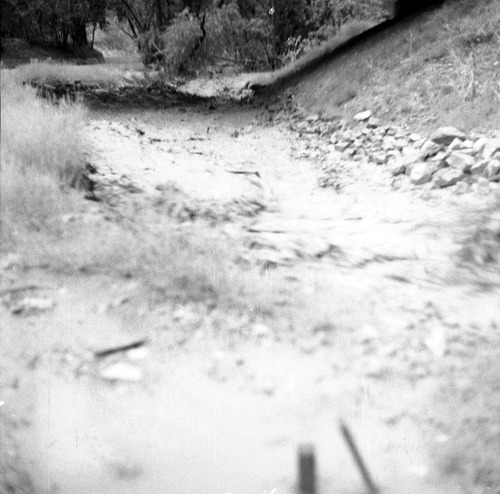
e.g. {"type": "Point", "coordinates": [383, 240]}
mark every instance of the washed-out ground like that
{"type": "Point", "coordinates": [363, 313]}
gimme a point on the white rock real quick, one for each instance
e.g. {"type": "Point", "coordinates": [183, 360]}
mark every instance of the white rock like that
{"type": "Point", "coordinates": [420, 174]}
{"type": "Point", "coordinates": [479, 167]}
{"type": "Point", "coordinates": [362, 116]}
{"type": "Point", "coordinates": [492, 148]}
{"type": "Point", "coordinates": [396, 167]}
{"type": "Point", "coordinates": [312, 118]}
{"type": "Point", "coordinates": [479, 145]}
{"type": "Point", "coordinates": [122, 371]}
{"type": "Point", "coordinates": [447, 177]}
{"type": "Point", "coordinates": [455, 145]}
{"type": "Point", "coordinates": [260, 330]}
{"type": "Point", "coordinates": [34, 304]}
{"type": "Point", "coordinates": [460, 160]}
{"type": "Point", "coordinates": [430, 148]}
{"type": "Point", "coordinates": [373, 122]}
{"type": "Point", "coordinates": [493, 168]}
{"type": "Point", "coordinates": [411, 156]}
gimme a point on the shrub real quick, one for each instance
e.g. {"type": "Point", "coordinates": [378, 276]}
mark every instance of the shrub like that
{"type": "Point", "coordinates": [190, 43]}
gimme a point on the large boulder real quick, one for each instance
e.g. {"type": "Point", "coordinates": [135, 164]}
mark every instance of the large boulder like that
{"type": "Point", "coordinates": [446, 135]}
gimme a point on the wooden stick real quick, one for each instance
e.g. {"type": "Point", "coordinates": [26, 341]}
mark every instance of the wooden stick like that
{"type": "Point", "coordinates": [370, 485]}
{"type": "Point", "coordinates": [118, 349]}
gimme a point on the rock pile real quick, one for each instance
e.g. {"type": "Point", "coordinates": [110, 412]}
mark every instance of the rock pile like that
{"type": "Point", "coordinates": [444, 158]}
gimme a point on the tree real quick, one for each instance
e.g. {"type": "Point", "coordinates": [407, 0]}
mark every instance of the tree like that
{"type": "Point", "coordinates": [57, 22]}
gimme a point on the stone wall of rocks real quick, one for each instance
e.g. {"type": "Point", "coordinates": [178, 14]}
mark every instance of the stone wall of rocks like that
{"type": "Point", "coordinates": [444, 158]}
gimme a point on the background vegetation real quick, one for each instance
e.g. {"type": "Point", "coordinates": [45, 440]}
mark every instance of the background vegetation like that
{"type": "Point", "coordinates": [184, 35]}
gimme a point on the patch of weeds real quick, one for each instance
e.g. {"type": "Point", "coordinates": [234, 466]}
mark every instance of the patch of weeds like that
{"type": "Point", "coordinates": [469, 407]}
{"type": "Point", "coordinates": [14, 478]}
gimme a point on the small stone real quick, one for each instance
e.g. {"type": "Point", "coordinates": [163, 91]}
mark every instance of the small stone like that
{"type": "Point", "coordinates": [447, 177]}
{"type": "Point", "coordinates": [430, 148]}
{"type": "Point", "coordinates": [479, 145]}
{"type": "Point", "coordinates": [341, 146]}
{"type": "Point", "coordinates": [379, 158]}
{"type": "Point", "coordinates": [411, 156]}
{"type": "Point", "coordinates": [479, 167]}
{"type": "Point", "coordinates": [491, 148]}
{"type": "Point", "coordinates": [492, 168]}
{"type": "Point", "coordinates": [415, 137]}
{"type": "Point", "coordinates": [397, 167]}
{"type": "Point", "coordinates": [400, 143]}
{"type": "Point", "coordinates": [122, 371]}
{"type": "Point", "coordinates": [373, 122]}
{"type": "Point", "coordinates": [439, 156]}
{"type": "Point", "coordinates": [418, 470]}
{"type": "Point", "coordinates": [260, 330]}
{"type": "Point", "coordinates": [362, 116]}
{"type": "Point", "coordinates": [418, 144]}
{"type": "Point", "coordinates": [30, 305]}
{"type": "Point", "coordinates": [455, 145]}
{"type": "Point", "coordinates": [446, 135]}
{"type": "Point", "coordinates": [420, 174]}
{"type": "Point", "coordinates": [460, 160]}
{"type": "Point", "coordinates": [312, 118]}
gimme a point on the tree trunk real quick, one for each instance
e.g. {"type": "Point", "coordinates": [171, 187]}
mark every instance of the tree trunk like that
{"type": "Point", "coordinates": [160, 18]}
{"type": "Point", "coordinates": [79, 33]}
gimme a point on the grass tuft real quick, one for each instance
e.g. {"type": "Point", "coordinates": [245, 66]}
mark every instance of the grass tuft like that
{"type": "Point", "coordinates": [41, 156]}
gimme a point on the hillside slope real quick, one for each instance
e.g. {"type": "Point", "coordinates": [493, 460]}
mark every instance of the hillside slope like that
{"type": "Point", "coordinates": [440, 67]}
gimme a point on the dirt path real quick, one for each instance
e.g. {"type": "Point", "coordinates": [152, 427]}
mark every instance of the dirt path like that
{"type": "Point", "coordinates": [219, 402]}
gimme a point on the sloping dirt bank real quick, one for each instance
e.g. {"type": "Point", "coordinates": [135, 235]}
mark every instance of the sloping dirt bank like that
{"type": "Point", "coordinates": [368, 315]}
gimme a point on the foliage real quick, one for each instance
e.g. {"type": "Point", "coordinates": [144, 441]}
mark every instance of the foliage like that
{"type": "Point", "coordinates": [186, 34]}
{"type": "Point", "coordinates": [56, 22]}
{"type": "Point", "coordinates": [221, 35]}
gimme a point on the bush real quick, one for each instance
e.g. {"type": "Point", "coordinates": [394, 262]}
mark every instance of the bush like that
{"type": "Point", "coordinates": [190, 43]}
{"type": "Point", "coordinates": [112, 39]}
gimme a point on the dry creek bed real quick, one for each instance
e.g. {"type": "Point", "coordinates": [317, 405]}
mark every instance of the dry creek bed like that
{"type": "Point", "coordinates": [366, 251]}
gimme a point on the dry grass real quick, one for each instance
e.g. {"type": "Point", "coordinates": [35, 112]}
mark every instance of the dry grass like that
{"type": "Point", "coordinates": [468, 416]}
{"type": "Point", "coordinates": [41, 156]}
{"type": "Point", "coordinates": [441, 67]}
{"type": "Point", "coordinates": [106, 75]}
